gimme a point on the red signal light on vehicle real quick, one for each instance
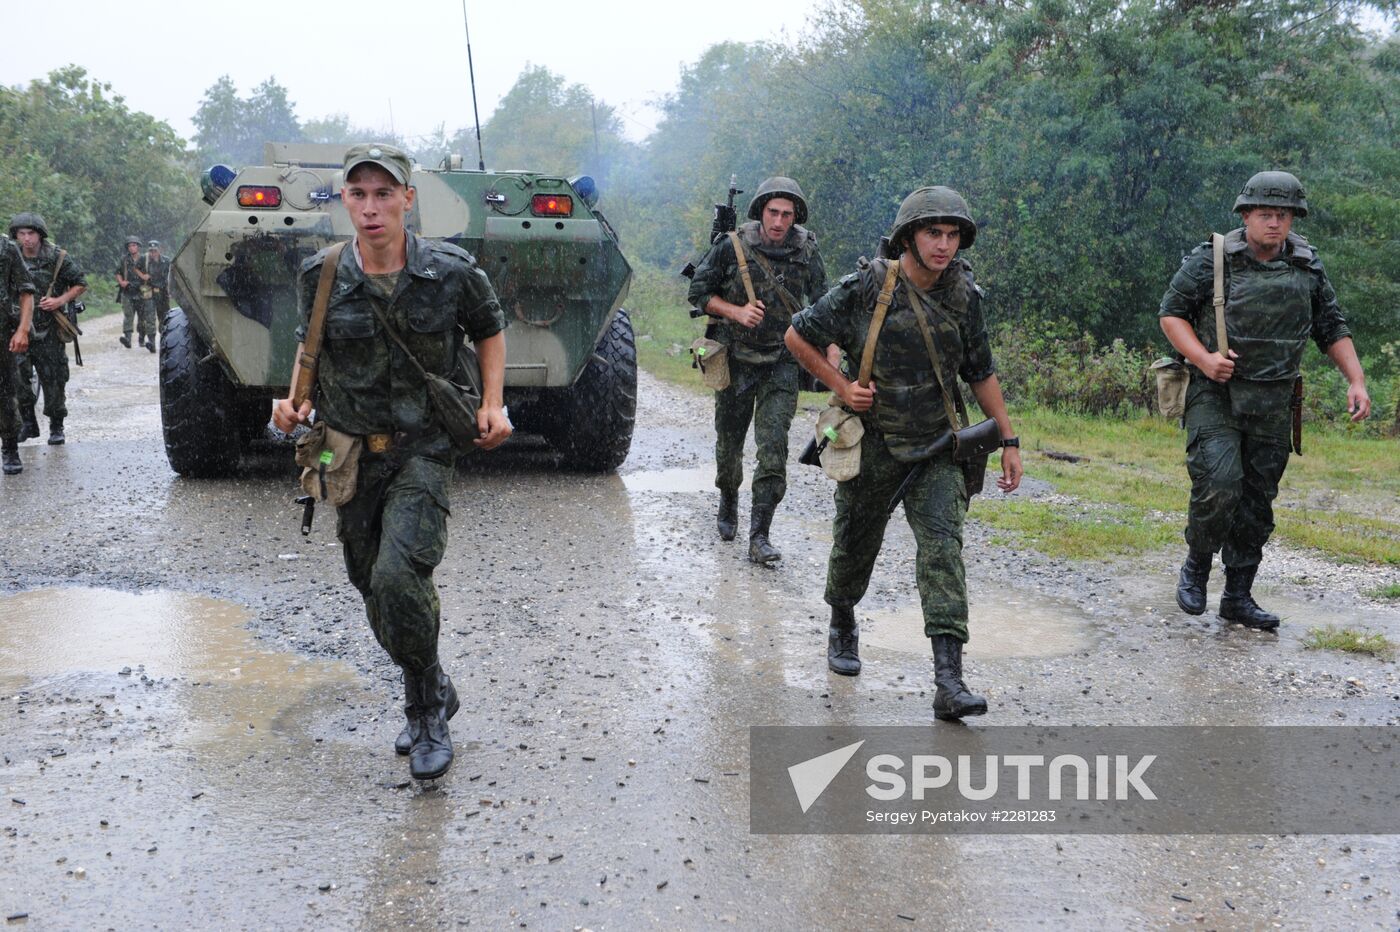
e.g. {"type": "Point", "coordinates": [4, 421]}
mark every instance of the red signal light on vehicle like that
{"type": "Point", "coordinates": [251, 195]}
{"type": "Point", "coordinates": [552, 205]}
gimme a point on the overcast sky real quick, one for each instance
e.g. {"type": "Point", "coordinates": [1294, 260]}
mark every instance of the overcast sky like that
{"type": "Point", "coordinates": [396, 65]}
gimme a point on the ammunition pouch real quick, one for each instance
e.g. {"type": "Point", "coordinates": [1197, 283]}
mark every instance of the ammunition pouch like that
{"type": "Point", "coordinates": [1172, 381]}
{"type": "Point", "coordinates": [712, 359]}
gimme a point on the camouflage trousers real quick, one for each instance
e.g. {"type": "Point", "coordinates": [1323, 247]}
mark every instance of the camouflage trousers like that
{"type": "Point", "coordinates": [394, 533]}
{"type": "Point", "coordinates": [1235, 463]}
{"type": "Point", "coordinates": [9, 384]}
{"type": "Point", "coordinates": [766, 396]}
{"type": "Point", "coordinates": [141, 309]}
{"type": "Point", "coordinates": [49, 358]}
{"type": "Point", "coordinates": [934, 507]}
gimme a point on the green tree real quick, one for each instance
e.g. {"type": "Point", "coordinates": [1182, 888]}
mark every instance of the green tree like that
{"type": "Point", "coordinates": [233, 130]}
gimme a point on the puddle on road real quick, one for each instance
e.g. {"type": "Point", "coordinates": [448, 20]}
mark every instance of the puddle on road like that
{"type": "Point", "coordinates": [682, 479]}
{"type": "Point", "coordinates": [92, 635]}
{"type": "Point", "coordinates": [1019, 625]}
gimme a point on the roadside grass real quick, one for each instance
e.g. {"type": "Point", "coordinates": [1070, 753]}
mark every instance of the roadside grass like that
{"type": "Point", "coordinates": [1349, 641]}
{"type": "Point", "coordinates": [1391, 592]}
{"type": "Point", "coordinates": [98, 305]}
{"type": "Point", "coordinates": [1129, 487]}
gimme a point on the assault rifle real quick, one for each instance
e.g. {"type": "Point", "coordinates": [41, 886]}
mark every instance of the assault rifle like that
{"type": "Point", "coordinates": [725, 221]}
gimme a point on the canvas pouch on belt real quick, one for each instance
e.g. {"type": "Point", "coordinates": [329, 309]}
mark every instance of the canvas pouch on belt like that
{"type": "Point", "coordinates": [330, 461]}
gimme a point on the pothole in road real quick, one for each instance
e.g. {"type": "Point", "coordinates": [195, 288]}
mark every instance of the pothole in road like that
{"type": "Point", "coordinates": [1018, 625]}
{"type": "Point", "coordinates": [86, 638]}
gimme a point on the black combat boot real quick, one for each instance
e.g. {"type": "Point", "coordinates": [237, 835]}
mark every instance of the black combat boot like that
{"type": "Point", "coordinates": [1191, 584]}
{"type": "Point", "coordinates": [29, 424]}
{"type": "Point", "coordinates": [1238, 605]}
{"type": "Point", "coordinates": [55, 432]}
{"type": "Point", "coordinates": [9, 456]}
{"type": "Point", "coordinates": [426, 710]}
{"type": "Point", "coordinates": [843, 641]}
{"type": "Point", "coordinates": [728, 518]}
{"type": "Point", "coordinates": [952, 700]}
{"type": "Point", "coordinates": [404, 742]}
{"type": "Point", "coordinates": [760, 520]}
{"type": "Point", "coordinates": [151, 344]}
{"type": "Point", "coordinates": [125, 340]}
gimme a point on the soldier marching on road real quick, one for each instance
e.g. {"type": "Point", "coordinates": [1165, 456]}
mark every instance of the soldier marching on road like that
{"type": "Point", "coordinates": [754, 280]}
{"type": "Point", "coordinates": [134, 292]}
{"type": "Point", "coordinates": [158, 268]}
{"type": "Point", "coordinates": [1275, 296]}
{"type": "Point", "coordinates": [58, 280]}
{"type": "Point", "coordinates": [915, 322]}
{"type": "Point", "coordinates": [14, 339]}
{"type": "Point", "coordinates": [394, 527]}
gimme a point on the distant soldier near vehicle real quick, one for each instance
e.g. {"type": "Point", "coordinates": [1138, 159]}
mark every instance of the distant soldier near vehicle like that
{"type": "Point", "coordinates": [1245, 377]}
{"type": "Point", "coordinates": [58, 281]}
{"type": "Point", "coordinates": [134, 292]}
{"type": "Point", "coordinates": [14, 339]}
{"type": "Point", "coordinates": [754, 280]}
{"type": "Point", "coordinates": [394, 527]}
{"type": "Point", "coordinates": [914, 321]}
{"type": "Point", "coordinates": [158, 268]}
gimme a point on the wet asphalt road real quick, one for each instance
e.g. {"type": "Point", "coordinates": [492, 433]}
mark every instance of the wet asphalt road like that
{"type": "Point", "coordinates": [196, 723]}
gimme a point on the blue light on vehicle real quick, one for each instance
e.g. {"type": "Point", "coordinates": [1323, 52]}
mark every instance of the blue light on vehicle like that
{"type": "Point", "coordinates": [586, 188]}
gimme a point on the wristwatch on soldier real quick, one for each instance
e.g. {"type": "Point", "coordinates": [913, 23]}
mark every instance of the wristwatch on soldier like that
{"type": "Point", "coordinates": [1011, 441]}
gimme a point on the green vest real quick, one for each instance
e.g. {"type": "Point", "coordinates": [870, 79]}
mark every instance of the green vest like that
{"type": "Point", "coordinates": [1268, 309]}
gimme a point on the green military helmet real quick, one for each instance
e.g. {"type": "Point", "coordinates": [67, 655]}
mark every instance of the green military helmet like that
{"type": "Point", "coordinates": [1273, 189]}
{"type": "Point", "coordinates": [778, 186]}
{"type": "Point", "coordinates": [133, 239]}
{"type": "Point", "coordinates": [31, 220]}
{"type": "Point", "coordinates": [936, 204]}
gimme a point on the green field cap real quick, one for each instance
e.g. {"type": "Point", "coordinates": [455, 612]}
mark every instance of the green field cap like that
{"type": "Point", "coordinates": [392, 160]}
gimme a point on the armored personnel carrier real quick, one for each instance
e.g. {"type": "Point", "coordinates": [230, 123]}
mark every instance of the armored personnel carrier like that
{"type": "Point", "coordinates": [229, 344]}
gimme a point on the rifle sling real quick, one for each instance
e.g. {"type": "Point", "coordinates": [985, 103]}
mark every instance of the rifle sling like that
{"type": "Point", "coordinates": [316, 327]}
{"type": "Point", "coordinates": [872, 336]}
{"type": "Point", "coordinates": [917, 304]}
{"type": "Point", "coordinates": [793, 305]}
{"type": "Point", "coordinates": [1222, 343]}
{"type": "Point", "coordinates": [743, 266]}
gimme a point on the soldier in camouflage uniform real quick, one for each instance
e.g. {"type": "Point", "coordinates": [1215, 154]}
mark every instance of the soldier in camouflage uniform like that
{"type": "Point", "coordinates": [47, 354]}
{"type": "Point", "coordinates": [903, 413]}
{"type": "Point", "coordinates": [134, 292]}
{"type": "Point", "coordinates": [394, 529]}
{"type": "Point", "coordinates": [158, 267]}
{"type": "Point", "coordinates": [18, 297]}
{"type": "Point", "coordinates": [786, 272]}
{"type": "Point", "coordinates": [1237, 405]}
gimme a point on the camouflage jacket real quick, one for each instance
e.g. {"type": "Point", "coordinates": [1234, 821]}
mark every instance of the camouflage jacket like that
{"type": "Point", "coordinates": [159, 270]}
{"type": "Point", "coordinates": [909, 408]}
{"type": "Point", "coordinates": [15, 278]}
{"type": "Point", "coordinates": [126, 269]}
{"type": "Point", "coordinates": [365, 384]}
{"type": "Point", "coordinates": [41, 269]}
{"type": "Point", "coordinates": [797, 269]}
{"type": "Point", "coordinates": [1271, 308]}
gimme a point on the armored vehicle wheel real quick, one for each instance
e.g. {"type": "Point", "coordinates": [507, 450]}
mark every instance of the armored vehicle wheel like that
{"type": "Point", "coordinates": [591, 426]}
{"type": "Point", "coordinates": [203, 436]}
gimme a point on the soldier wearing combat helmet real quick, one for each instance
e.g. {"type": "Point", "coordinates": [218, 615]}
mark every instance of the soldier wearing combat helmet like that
{"type": "Point", "coordinates": [134, 292]}
{"type": "Point", "coordinates": [929, 297]}
{"type": "Point", "coordinates": [1276, 297]}
{"type": "Point", "coordinates": [754, 281]}
{"type": "Point", "coordinates": [16, 314]}
{"type": "Point", "coordinates": [58, 281]}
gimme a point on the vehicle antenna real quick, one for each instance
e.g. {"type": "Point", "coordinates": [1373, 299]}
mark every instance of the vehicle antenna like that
{"type": "Point", "coordinates": [471, 71]}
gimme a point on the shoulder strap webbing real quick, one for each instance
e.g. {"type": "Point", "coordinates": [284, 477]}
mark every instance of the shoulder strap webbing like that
{"type": "Point", "coordinates": [743, 266]}
{"type": "Point", "coordinates": [882, 306]}
{"type": "Point", "coordinates": [315, 328]}
{"type": "Point", "coordinates": [933, 356]}
{"type": "Point", "coordinates": [1217, 243]}
{"type": "Point", "coordinates": [793, 305]}
{"type": "Point", "coordinates": [57, 267]}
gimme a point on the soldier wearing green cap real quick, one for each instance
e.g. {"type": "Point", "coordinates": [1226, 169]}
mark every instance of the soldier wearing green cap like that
{"type": "Point", "coordinates": [931, 309]}
{"type": "Point", "coordinates": [394, 528]}
{"type": "Point", "coordinates": [1276, 297]}
{"type": "Point", "coordinates": [134, 292]}
{"type": "Point", "coordinates": [754, 281]}
{"type": "Point", "coordinates": [58, 281]}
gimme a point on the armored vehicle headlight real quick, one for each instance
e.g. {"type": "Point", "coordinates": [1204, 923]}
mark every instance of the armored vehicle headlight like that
{"type": "Point", "coordinates": [552, 205]}
{"type": "Point", "coordinates": [259, 196]}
